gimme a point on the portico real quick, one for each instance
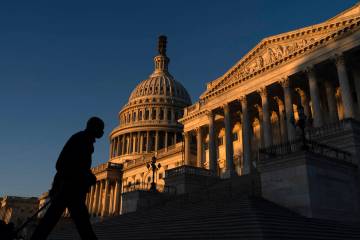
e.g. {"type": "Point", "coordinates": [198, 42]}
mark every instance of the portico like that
{"type": "Point", "coordinates": [309, 67]}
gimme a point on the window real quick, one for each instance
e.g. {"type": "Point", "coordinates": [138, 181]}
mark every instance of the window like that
{"type": "Point", "coordinates": [146, 114]}
{"type": "Point", "coordinates": [220, 141]}
{"type": "Point", "coordinates": [149, 179]}
{"type": "Point", "coordinates": [140, 115]}
{"type": "Point", "coordinates": [161, 114]}
{"type": "Point", "coordinates": [134, 117]}
{"type": "Point", "coordinates": [153, 115]}
{"type": "Point", "coordinates": [160, 176]}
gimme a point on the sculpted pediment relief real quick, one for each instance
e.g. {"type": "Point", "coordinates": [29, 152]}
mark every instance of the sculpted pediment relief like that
{"type": "Point", "coordinates": [276, 48]}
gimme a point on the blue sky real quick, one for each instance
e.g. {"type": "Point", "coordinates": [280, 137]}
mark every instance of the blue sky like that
{"type": "Point", "coordinates": [64, 61]}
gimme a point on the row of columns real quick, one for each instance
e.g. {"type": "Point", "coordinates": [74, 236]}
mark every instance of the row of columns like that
{"type": "Point", "coordinates": [139, 142]}
{"type": "Point", "coordinates": [156, 113]}
{"type": "Point", "coordinates": [286, 117]}
{"type": "Point", "coordinates": [103, 198]}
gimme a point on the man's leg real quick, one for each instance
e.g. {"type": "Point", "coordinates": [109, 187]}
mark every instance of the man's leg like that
{"type": "Point", "coordinates": [80, 215]}
{"type": "Point", "coordinates": [48, 222]}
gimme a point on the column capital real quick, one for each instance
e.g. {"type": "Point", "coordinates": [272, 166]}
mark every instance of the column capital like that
{"type": "Point", "coordinates": [198, 129]}
{"type": "Point", "coordinates": [225, 106]}
{"type": "Point", "coordinates": [338, 59]}
{"type": "Point", "coordinates": [210, 114]}
{"type": "Point", "coordinates": [262, 92]}
{"type": "Point", "coordinates": [284, 81]}
{"type": "Point", "coordinates": [243, 99]}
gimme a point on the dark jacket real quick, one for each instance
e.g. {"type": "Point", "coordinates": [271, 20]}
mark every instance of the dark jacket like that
{"type": "Point", "coordinates": [74, 165]}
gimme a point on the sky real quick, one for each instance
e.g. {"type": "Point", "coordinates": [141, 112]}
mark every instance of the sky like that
{"type": "Point", "coordinates": [62, 62]}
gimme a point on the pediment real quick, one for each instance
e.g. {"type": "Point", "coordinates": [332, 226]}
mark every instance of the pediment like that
{"type": "Point", "coordinates": [280, 47]}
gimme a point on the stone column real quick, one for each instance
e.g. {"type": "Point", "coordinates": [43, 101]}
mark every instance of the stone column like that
{"type": "Point", "coordinates": [283, 127]}
{"type": "Point", "coordinates": [98, 201]}
{"type": "Point", "coordinates": [147, 141]}
{"type": "Point", "coordinates": [261, 117]}
{"type": "Point", "coordinates": [172, 116]}
{"type": "Point", "coordinates": [187, 148]}
{"type": "Point", "coordinates": [199, 148]}
{"type": "Point", "coordinates": [128, 140]}
{"type": "Point", "coordinates": [157, 113]}
{"type": "Point", "coordinates": [111, 148]}
{"type": "Point", "coordinates": [315, 97]}
{"type": "Point", "coordinates": [356, 76]}
{"type": "Point", "coordinates": [105, 208]}
{"type": "Point", "coordinates": [212, 146]}
{"type": "Point", "coordinates": [331, 101]}
{"type": "Point", "coordinates": [266, 122]}
{"type": "Point", "coordinates": [304, 102]}
{"type": "Point", "coordinates": [156, 140]}
{"type": "Point", "coordinates": [165, 114]}
{"type": "Point", "coordinates": [288, 109]}
{"type": "Point", "coordinates": [229, 169]}
{"type": "Point", "coordinates": [344, 86]}
{"type": "Point", "coordinates": [138, 142]}
{"type": "Point", "coordinates": [91, 198]}
{"type": "Point", "coordinates": [111, 199]}
{"type": "Point", "coordinates": [141, 142]}
{"type": "Point", "coordinates": [117, 196]}
{"type": "Point", "coordinates": [245, 123]}
{"type": "Point", "coordinates": [150, 113]}
{"type": "Point", "coordinates": [166, 140]}
{"type": "Point", "coordinates": [123, 145]}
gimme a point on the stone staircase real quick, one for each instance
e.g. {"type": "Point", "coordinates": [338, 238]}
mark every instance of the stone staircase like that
{"type": "Point", "coordinates": [220, 212]}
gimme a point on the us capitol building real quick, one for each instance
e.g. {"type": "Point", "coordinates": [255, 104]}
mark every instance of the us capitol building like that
{"type": "Point", "coordinates": [288, 110]}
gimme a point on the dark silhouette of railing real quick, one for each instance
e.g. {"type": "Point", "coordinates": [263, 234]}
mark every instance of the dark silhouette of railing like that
{"type": "Point", "coordinates": [189, 170]}
{"type": "Point", "coordinates": [142, 186]}
{"type": "Point", "coordinates": [307, 145]}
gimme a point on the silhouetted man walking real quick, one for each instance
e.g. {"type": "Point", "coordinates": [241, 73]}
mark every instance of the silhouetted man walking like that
{"type": "Point", "coordinates": [72, 181]}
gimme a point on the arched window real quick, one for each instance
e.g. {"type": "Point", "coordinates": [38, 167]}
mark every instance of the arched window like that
{"type": "Point", "coordinates": [140, 115]}
{"type": "Point", "coordinates": [161, 114]}
{"type": "Point", "coordinates": [153, 115]}
{"type": "Point", "coordinates": [146, 114]}
{"type": "Point", "coordinates": [134, 116]}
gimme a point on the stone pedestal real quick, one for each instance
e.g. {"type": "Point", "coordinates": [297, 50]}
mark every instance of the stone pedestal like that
{"type": "Point", "coordinates": [311, 185]}
{"type": "Point", "coordinates": [188, 179]}
{"type": "Point", "coordinates": [137, 200]}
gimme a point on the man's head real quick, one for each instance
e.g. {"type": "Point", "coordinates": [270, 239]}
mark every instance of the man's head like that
{"type": "Point", "coordinates": [95, 126]}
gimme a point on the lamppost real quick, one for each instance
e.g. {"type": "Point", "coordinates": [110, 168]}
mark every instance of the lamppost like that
{"type": "Point", "coordinates": [152, 166]}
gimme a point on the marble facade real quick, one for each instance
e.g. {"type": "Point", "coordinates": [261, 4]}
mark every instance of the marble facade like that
{"type": "Point", "coordinates": [252, 106]}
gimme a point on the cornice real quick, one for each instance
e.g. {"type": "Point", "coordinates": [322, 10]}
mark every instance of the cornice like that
{"type": "Point", "coordinates": [317, 35]}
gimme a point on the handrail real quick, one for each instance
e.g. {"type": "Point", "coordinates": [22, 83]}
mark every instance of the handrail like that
{"type": "Point", "coordinates": [143, 186]}
{"type": "Point", "coordinates": [307, 145]}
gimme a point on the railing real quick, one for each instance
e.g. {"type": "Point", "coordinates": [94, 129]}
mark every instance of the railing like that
{"type": "Point", "coordinates": [106, 166]}
{"type": "Point", "coordinates": [333, 128]}
{"type": "Point", "coordinates": [143, 160]}
{"type": "Point", "coordinates": [142, 186]}
{"type": "Point", "coordinates": [188, 170]}
{"type": "Point", "coordinates": [307, 145]}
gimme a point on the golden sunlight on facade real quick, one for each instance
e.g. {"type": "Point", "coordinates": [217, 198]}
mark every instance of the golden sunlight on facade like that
{"type": "Point", "coordinates": [313, 71]}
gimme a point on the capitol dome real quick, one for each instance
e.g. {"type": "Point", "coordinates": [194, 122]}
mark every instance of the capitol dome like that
{"type": "Point", "coordinates": [148, 122]}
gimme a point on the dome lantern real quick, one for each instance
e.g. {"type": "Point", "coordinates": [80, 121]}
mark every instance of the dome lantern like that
{"type": "Point", "coordinates": [161, 61]}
